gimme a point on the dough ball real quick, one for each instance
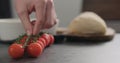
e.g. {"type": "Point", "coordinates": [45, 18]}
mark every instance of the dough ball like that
{"type": "Point", "coordinates": [88, 23]}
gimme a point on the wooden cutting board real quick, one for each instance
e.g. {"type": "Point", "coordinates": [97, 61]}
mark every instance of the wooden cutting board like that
{"type": "Point", "coordinates": [63, 34]}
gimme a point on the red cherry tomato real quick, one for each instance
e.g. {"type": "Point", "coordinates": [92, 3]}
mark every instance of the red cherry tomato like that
{"type": "Point", "coordinates": [46, 37]}
{"type": "Point", "coordinates": [23, 39]}
{"type": "Point", "coordinates": [52, 39]}
{"type": "Point", "coordinates": [30, 41]}
{"type": "Point", "coordinates": [16, 51]}
{"type": "Point", "coordinates": [34, 49]}
{"type": "Point", "coordinates": [43, 41]}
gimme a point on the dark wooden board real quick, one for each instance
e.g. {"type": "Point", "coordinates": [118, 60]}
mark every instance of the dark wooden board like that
{"type": "Point", "coordinates": [63, 35]}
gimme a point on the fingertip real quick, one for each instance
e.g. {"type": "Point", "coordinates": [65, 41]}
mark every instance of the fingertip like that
{"type": "Point", "coordinates": [29, 32]}
{"type": "Point", "coordinates": [36, 31]}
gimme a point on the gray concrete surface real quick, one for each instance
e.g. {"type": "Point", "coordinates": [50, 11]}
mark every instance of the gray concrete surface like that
{"type": "Point", "coordinates": [107, 52]}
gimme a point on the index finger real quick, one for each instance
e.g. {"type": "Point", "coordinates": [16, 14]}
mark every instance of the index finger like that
{"type": "Point", "coordinates": [24, 16]}
{"type": "Point", "coordinates": [40, 9]}
{"type": "Point", "coordinates": [26, 22]}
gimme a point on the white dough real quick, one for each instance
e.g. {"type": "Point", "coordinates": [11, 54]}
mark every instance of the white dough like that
{"type": "Point", "coordinates": [88, 23]}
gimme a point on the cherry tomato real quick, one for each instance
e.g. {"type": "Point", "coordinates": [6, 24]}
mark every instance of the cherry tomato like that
{"type": "Point", "coordinates": [30, 41]}
{"type": "Point", "coordinates": [52, 39]}
{"type": "Point", "coordinates": [42, 40]}
{"type": "Point", "coordinates": [41, 43]}
{"type": "Point", "coordinates": [23, 39]}
{"type": "Point", "coordinates": [46, 37]}
{"type": "Point", "coordinates": [34, 49]}
{"type": "Point", "coordinates": [16, 51]}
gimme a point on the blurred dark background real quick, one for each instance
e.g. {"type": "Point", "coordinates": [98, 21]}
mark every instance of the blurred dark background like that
{"type": "Point", "coordinates": [109, 10]}
{"type": "Point", "coordinates": [5, 9]}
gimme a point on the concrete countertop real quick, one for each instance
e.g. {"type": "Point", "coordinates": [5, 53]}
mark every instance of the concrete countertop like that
{"type": "Point", "coordinates": [107, 52]}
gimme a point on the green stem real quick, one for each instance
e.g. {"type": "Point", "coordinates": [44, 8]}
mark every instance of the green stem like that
{"type": "Point", "coordinates": [19, 38]}
{"type": "Point", "coordinates": [41, 33]}
{"type": "Point", "coordinates": [26, 42]}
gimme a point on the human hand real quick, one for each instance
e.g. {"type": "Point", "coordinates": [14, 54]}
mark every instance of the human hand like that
{"type": "Point", "coordinates": [44, 12]}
